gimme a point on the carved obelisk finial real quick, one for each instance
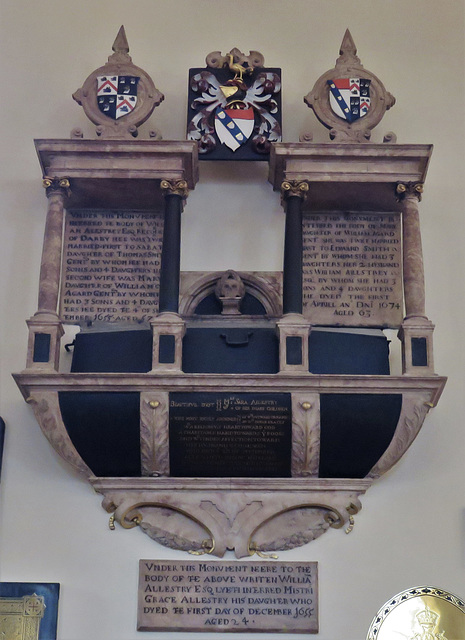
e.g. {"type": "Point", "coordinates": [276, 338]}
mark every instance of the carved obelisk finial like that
{"type": "Point", "coordinates": [120, 48]}
{"type": "Point", "coordinates": [121, 42]}
{"type": "Point", "coordinates": [348, 50]}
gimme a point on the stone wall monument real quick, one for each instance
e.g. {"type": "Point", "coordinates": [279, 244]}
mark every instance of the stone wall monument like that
{"type": "Point", "coordinates": [244, 411]}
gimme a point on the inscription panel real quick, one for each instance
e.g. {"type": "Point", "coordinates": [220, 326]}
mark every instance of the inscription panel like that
{"type": "Point", "coordinates": [111, 265]}
{"type": "Point", "coordinates": [278, 597]}
{"type": "Point", "coordinates": [352, 269]}
{"type": "Point", "coordinates": [230, 434]}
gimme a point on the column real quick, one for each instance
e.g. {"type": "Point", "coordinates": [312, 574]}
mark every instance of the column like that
{"type": "Point", "coordinates": [416, 331]}
{"type": "Point", "coordinates": [45, 328]}
{"type": "Point", "coordinates": [293, 329]}
{"type": "Point", "coordinates": [168, 328]}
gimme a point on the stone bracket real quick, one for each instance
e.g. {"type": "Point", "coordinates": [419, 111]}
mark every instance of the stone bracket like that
{"type": "Point", "coordinates": [245, 515]}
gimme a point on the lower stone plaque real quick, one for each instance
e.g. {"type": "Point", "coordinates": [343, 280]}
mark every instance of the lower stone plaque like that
{"type": "Point", "coordinates": [230, 435]}
{"type": "Point", "coordinates": [277, 597]}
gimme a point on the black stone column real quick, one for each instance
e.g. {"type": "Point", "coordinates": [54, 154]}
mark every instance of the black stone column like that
{"type": "Point", "coordinates": [293, 194]}
{"type": "Point", "coordinates": [174, 192]}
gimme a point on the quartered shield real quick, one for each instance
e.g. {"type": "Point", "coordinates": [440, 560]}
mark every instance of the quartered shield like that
{"type": "Point", "coordinates": [117, 95]}
{"type": "Point", "coordinates": [234, 126]}
{"type": "Point", "coordinates": [350, 97]}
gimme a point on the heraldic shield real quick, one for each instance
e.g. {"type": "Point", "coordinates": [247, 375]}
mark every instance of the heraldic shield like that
{"type": "Point", "coordinates": [117, 95]}
{"type": "Point", "coordinates": [234, 126]}
{"type": "Point", "coordinates": [350, 97]}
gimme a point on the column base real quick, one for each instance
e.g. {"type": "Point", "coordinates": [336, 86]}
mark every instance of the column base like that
{"type": "Point", "coordinates": [45, 332]}
{"type": "Point", "coordinates": [293, 330]}
{"type": "Point", "coordinates": [168, 330]}
{"type": "Point", "coordinates": [416, 335]}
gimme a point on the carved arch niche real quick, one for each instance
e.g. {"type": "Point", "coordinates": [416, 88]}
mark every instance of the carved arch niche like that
{"type": "Point", "coordinates": [263, 293]}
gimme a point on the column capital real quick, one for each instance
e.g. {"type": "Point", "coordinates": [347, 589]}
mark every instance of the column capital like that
{"type": "Point", "coordinates": [297, 188]}
{"type": "Point", "coordinates": [55, 184]}
{"type": "Point", "coordinates": [174, 188]}
{"type": "Point", "coordinates": [409, 190]}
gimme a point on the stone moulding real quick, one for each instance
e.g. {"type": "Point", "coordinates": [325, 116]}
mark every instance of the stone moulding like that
{"type": "Point", "coordinates": [118, 173]}
{"type": "Point", "coordinates": [359, 177]}
{"type": "Point", "coordinates": [247, 515]}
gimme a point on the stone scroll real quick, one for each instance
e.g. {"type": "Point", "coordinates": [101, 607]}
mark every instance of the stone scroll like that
{"type": "Point", "coordinates": [111, 266]}
{"type": "Point", "coordinates": [228, 596]}
{"type": "Point", "coordinates": [352, 269]}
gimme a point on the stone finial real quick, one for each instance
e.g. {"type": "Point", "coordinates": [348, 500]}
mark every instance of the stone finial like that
{"type": "Point", "coordinates": [119, 96]}
{"type": "Point", "coordinates": [348, 50]}
{"type": "Point", "coordinates": [349, 100]}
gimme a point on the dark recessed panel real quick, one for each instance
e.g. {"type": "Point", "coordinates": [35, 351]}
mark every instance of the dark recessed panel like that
{"type": "Point", "coordinates": [348, 353]}
{"type": "Point", "coordinates": [105, 429]}
{"type": "Point", "coordinates": [113, 352]}
{"type": "Point", "coordinates": [230, 350]}
{"type": "Point", "coordinates": [356, 430]}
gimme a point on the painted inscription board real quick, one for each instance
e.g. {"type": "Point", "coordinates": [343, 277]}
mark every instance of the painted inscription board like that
{"type": "Point", "coordinates": [230, 435]}
{"type": "Point", "coordinates": [352, 269]}
{"type": "Point", "coordinates": [111, 265]}
{"type": "Point", "coordinates": [275, 597]}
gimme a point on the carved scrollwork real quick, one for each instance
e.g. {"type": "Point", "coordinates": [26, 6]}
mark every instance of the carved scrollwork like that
{"type": "Point", "coordinates": [54, 185]}
{"type": "Point", "coordinates": [409, 189]}
{"type": "Point", "coordinates": [188, 534]}
{"type": "Point", "coordinates": [294, 188]}
{"type": "Point", "coordinates": [47, 411]}
{"type": "Point", "coordinates": [254, 60]}
{"type": "Point", "coordinates": [174, 188]}
{"type": "Point", "coordinates": [415, 406]}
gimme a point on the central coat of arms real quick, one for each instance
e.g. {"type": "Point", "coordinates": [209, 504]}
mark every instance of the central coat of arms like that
{"type": "Point", "coordinates": [234, 107]}
{"type": "Point", "coordinates": [116, 95]}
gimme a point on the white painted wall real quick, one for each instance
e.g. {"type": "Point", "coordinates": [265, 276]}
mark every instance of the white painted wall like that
{"type": "Point", "coordinates": [52, 528]}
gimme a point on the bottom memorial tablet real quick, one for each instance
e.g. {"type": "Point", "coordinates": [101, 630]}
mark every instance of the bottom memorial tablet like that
{"type": "Point", "coordinates": [278, 597]}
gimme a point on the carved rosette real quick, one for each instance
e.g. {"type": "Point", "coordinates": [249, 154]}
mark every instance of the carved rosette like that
{"type": "Point", "coordinates": [349, 125]}
{"type": "Point", "coordinates": [119, 66]}
{"type": "Point", "coordinates": [46, 407]}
